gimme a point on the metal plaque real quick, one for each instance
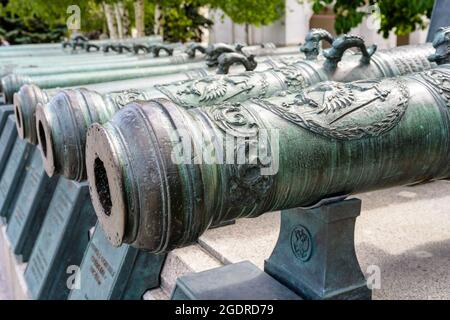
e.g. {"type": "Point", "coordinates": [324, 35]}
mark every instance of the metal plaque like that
{"type": "Point", "coordinates": [30, 208]}
{"type": "Point", "coordinates": [61, 242]}
{"type": "Point", "coordinates": [108, 272]}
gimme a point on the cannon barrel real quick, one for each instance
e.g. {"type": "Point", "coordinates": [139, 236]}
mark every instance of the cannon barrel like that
{"type": "Point", "coordinates": [170, 65]}
{"type": "Point", "coordinates": [160, 174]}
{"type": "Point", "coordinates": [29, 97]}
{"type": "Point", "coordinates": [75, 58]}
{"type": "Point", "coordinates": [65, 135]}
{"type": "Point", "coordinates": [61, 124]}
{"type": "Point", "coordinates": [131, 62]}
{"type": "Point", "coordinates": [313, 40]}
{"type": "Point", "coordinates": [55, 49]}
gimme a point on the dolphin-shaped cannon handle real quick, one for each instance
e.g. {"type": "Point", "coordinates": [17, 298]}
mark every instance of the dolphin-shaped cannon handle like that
{"type": "Point", "coordinates": [311, 47]}
{"type": "Point", "coordinates": [120, 48]}
{"type": "Point", "coordinates": [77, 41]}
{"type": "Point", "coordinates": [79, 38]}
{"type": "Point", "coordinates": [193, 48]}
{"type": "Point", "coordinates": [156, 49]}
{"type": "Point", "coordinates": [139, 47]}
{"type": "Point", "coordinates": [341, 44]}
{"type": "Point", "coordinates": [90, 46]}
{"type": "Point", "coordinates": [214, 51]}
{"type": "Point", "coordinates": [441, 43]}
{"type": "Point", "coordinates": [107, 47]}
{"type": "Point", "coordinates": [226, 60]}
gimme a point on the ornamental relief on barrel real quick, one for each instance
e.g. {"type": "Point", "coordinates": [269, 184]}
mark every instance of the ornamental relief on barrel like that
{"type": "Point", "coordinates": [440, 81]}
{"type": "Point", "coordinates": [344, 111]}
{"type": "Point", "coordinates": [408, 61]}
{"type": "Point", "coordinates": [246, 182]}
{"type": "Point", "coordinates": [293, 78]}
{"type": "Point", "coordinates": [250, 176]}
{"type": "Point", "coordinates": [215, 89]}
{"type": "Point", "coordinates": [122, 98]}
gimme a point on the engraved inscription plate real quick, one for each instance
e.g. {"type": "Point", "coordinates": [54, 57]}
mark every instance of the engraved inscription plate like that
{"type": "Point", "coordinates": [7, 138]}
{"type": "Point", "coordinates": [30, 208]}
{"type": "Point", "coordinates": [13, 176]}
{"type": "Point", "coordinates": [61, 241]}
{"type": "Point", "coordinates": [108, 272]}
{"type": "Point", "coordinates": [5, 111]}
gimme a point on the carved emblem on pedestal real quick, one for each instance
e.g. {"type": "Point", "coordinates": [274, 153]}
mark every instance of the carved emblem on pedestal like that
{"type": "Point", "coordinates": [301, 243]}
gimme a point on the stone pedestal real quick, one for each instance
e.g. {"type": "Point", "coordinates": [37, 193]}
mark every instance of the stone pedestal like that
{"type": "Point", "coordinates": [315, 253]}
{"type": "Point", "coordinates": [239, 281]}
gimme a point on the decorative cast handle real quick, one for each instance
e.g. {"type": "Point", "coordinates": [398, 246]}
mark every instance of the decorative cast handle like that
{"type": "Point", "coordinates": [441, 43]}
{"type": "Point", "coordinates": [79, 38]}
{"type": "Point", "coordinates": [74, 44]}
{"type": "Point", "coordinates": [226, 60]}
{"type": "Point", "coordinates": [90, 46]}
{"type": "Point", "coordinates": [107, 46]}
{"type": "Point", "coordinates": [158, 47]}
{"type": "Point", "coordinates": [341, 44]}
{"type": "Point", "coordinates": [140, 47]}
{"type": "Point", "coordinates": [193, 48]}
{"type": "Point", "coordinates": [214, 51]}
{"type": "Point", "coordinates": [66, 44]}
{"type": "Point", "coordinates": [311, 47]}
{"type": "Point", "coordinates": [120, 48]}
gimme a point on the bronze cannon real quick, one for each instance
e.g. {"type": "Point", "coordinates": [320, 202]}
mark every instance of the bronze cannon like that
{"type": "Point", "coordinates": [29, 96]}
{"type": "Point", "coordinates": [160, 174]}
{"type": "Point", "coordinates": [62, 123]}
{"type": "Point", "coordinates": [52, 77]}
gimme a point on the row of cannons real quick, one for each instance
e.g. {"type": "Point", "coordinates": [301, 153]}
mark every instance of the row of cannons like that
{"type": "Point", "coordinates": [152, 152]}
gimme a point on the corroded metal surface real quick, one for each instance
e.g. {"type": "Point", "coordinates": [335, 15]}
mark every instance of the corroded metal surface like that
{"type": "Point", "coordinates": [52, 77]}
{"type": "Point", "coordinates": [61, 124]}
{"type": "Point", "coordinates": [65, 119]}
{"type": "Point", "coordinates": [29, 97]}
{"type": "Point", "coordinates": [150, 190]}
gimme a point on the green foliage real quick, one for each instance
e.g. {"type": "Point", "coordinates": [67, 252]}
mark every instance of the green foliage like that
{"type": "Point", "coordinates": [400, 16]}
{"type": "Point", "coordinates": [181, 20]}
{"type": "Point", "coordinates": [28, 29]}
{"type": "Point", "coordinates": [255, 12]}
{"type": "Point", "coordinates": [403, 16]}
{"type": "Point", "coordinates": [149, 17]}
{"type": "Point", "coordinates": [54, 13]}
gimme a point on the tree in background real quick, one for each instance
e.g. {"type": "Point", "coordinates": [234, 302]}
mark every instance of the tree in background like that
{"type": "Point", "coordinates": [45, 21]}
{"type": "Point", "coordinates": [139, 15]}
{"type": "Point", "coordinates": [180, 20]}
{"type": "Point", "coordinates": [42, 17]}
{"type": "Point", "coordinates": [252, 12]}
{"type": "Point", "coordinates": [400, 16]}
{"type": "Point", "coordinates": [176, 20]}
